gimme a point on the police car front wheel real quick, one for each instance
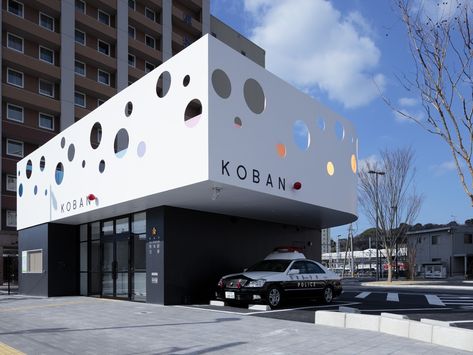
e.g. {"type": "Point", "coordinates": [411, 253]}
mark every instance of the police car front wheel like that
{"type": "Point", "coordinates": [274, 297]}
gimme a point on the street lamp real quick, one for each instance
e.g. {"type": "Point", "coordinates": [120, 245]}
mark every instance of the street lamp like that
{"type": "Point", "coordinates": [377, 173]}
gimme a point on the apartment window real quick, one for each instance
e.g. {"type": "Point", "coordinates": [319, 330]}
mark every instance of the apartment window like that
{"type": "Point", "coordinates": [32, 261]}
{"type": "Point", "coordinates": [131, 60]}
{"type": "Point", "coordinates": [100, 102]}
{"type": "Point", "coordinates": [103, 17]}
{"type": "Point", "coordinates": [131, 32]}
{"type": "Point", "coordinates": [15, 42]}
{"type": "Point", "coordinates": [14, 113]}
{"type": "Point", "coordinates": [15, 148]}
{"type": "Point", "coordinates": [103, 77]}
{"type": "Point", "coordinates": [46, 121]}
{"type": "Point", "coordinates": [436, 260]}
{"type": "Point", "coordinates": [15, 7]}
{"type": "Point", "coordinates": [46, 21]}
{"type": "Point", "coordinates": [148, 67]}
{"type": "Point", "coordinates": [468, 239]}
{"type": "Point", "coordinates": [150, 14]}
{"type": "Point", "coordinates": [435, 239]}
{"type": "Point", "coordinates": [188, 19]}
{"type": "Point", "coordinates": [79, 68]}
{"type": "Point", "coordinates": [150, 41]}
{"type": "Point", "coordinates": [46, 55]}
{"type": "Point", "coordinates": [11, 218]}
{"type": "Point", "coordinates": [80, 6]}
{"type": "Point", "coordinates": [46, 88]}
{"type": "Point", "coordinates": [80, 37]}
{"type": "Point", "coordinates": [131, 4]}
{"type": "Point", "coordinates": [11, 183]}
{"type": "Point", "coordinates": [103, 47]}
{"type": "Point", "coordinates": [79, 99]}
{"type": "Point", "coordinates": [14, 77]}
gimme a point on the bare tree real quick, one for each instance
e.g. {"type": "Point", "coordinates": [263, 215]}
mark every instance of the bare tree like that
{"type": "Point", "coordinates": [441, 44]}
{"type": "Point", "coordinates": [390, 200]}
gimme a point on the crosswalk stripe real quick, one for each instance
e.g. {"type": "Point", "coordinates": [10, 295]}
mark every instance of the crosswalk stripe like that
{"type": "Point", "coordinates": [392, 297]}
{"type": "Point", "coordinates": [435, 300]}
{"type": "Point", "coordinates": [363, 295]}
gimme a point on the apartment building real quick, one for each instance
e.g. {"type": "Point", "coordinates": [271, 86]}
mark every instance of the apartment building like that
{"type": "Point", "coordinates": [62, 59]}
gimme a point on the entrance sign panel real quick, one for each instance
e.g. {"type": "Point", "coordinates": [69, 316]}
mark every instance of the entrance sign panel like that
{"type": "Point", "coordinates": [207, 130]}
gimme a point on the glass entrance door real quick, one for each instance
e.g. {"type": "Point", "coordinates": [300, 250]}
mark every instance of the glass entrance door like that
{"type": "Point", "coordinates": [116, 267]}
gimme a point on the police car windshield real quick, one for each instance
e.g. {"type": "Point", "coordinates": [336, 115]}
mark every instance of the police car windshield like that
{"type": "Point", "coordinates": [271, 265]}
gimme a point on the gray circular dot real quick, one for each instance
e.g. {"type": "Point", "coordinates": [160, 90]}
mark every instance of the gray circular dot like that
{"type": "Point", "coordinates": [71, 152]}
{"type": "Point", "coordinates": [35, 190]}
{"type": "Point", "coordinates": [141, 150]}
{"type": "Point", "coordinates": [254, 96]}
{"type": "Point", "coordinates": [102, 166]}
{"type": "Point", "coordinates": [63, 142]}
{"type": "Point", "coordinates": [128, 109]}
{"type": "Point", "coordinates": [186, 81]}
{"type": "Point", "coordinates": [163, 84]}
{"type": "Point", "coordinates": [83, 163]}
{"type": "Point", "coordinates": [221, 83]}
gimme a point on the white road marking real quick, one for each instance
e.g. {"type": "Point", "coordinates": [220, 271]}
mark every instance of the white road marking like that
{"type": "Point", "coordinates": [403, 309]}
{"type": "Point", "coordinates": [435, 300]}
{"type": "Point", "coordinates": [392, 297]}
{"type": "Point", "coordinates": [363, 295]}
{"type": "Point", "coordinates": [461, 321]}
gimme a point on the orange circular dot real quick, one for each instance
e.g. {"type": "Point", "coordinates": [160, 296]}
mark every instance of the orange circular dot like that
{"type": "Point", "coordinates": [281, 149]}
{"type": "Point", "coordinates": [330, 168]}
{"type": "Point", "coordinates": [353, 163]}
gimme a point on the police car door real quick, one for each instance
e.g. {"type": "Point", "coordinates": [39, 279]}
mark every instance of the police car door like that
{"type": "Point", "coordinates": [294, 286]}
{"type": "Point", "coordinates": [317, 278]}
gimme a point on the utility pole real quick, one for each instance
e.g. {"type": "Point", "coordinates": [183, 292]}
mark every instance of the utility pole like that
{"type": "Point", "coordinates": [377, 173]}
{"type": "Point", "coordinates": [350, 235]}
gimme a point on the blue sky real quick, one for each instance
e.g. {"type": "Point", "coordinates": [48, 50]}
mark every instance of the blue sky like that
{"type": "Point", "coordinates": [347, 54]}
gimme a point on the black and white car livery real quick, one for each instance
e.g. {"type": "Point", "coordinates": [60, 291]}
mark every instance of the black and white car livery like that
{"type": "Point", "coordinates": [284, 274]}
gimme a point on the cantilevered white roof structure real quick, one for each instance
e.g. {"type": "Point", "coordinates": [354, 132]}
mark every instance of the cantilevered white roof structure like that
{"type": "Point", "coordinates": [207, 130]}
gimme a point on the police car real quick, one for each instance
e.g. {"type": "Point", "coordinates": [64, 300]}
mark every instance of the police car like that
{"type": "Point", "coordinates": [284, 274]}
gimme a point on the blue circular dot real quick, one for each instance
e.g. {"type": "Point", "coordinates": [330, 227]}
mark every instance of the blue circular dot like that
{"type": "Point", "coordinates": [46, 192]}
{"type": "Point", "coordinates": [20, 190]}
{"type": "Point", "coordinates": [35, 189]}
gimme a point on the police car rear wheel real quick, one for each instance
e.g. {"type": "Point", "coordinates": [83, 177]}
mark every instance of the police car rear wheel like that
{"type": "Point", "coordinates": [274, 297]}
{"type": "Point", "coordinates": [328, 295]}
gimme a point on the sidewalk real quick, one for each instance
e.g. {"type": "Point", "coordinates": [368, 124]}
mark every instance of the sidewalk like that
{"type": "Point", "coordinates": [81, 325]}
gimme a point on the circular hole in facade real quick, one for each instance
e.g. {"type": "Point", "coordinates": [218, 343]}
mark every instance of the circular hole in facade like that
{"type": "Point", "coordinates": [59, 175]}
{"type": "Point", "coordinates": [141, 150]}
{"type": "Point", "coordinates": [29, 169]}
{"type": "Point", "coordinates": [186, 80]}
{"type": "Point", "coordinates": [120, 145]}
{"type": "Point", "coordinates": [46, 192]}
{"type": "Point", "coordinates": [281, 149]}
{"type": "Point", "coordinates": [71, 152]}
{"type": "Point", "coordinates": [96, 135]}
{"type": "Point", "coordinates": [330, 168]}
{"type": "Point", "coordinates": [301, 135]}
{"type": "Point", "coordinates": [254, 96]}
{"type": "Point", "coordinates": [20, 190]}
{"type": "Point", "coordinates": [63, 142]}
{"type": "Point", "coordinates": [128, 109]}
{"type": "Point", "coordinates": [163, 84]}
{"type": "Point", "coordinates": [321, 123]}
{"type": "Point", "coordinates": [102, 166]}
{"type": "Point", "coordinates": [42, 163]}
{"type": "Point", "coordinates": [221, 83]}
{"type": "Point", "coordinates": [339, 130]}
{"type": "Point", "coordinates": [35, 190]}
{"type": "Point", "coordinates": [193, 113]}
{"type": "Point", "coordinates": [353, 163]}
{"type": "Point", "coordinates": [83, 163]}
{"type": "Point", "coordinates": [237, 122]}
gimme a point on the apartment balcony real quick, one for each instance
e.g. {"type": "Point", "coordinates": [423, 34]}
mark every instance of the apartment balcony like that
{"type": "Point", "coordinates": [31, 65]}
{"type": "Point", "coordinates": [98, 29]}
{"type": "Point", "coordinates": [94, 88]}
{"type": "Point", "coordinates": [145, 52]}
{"type": "Point", "coordinates": [80, 112]}
{"type": "Point", "coordinates": [106, 5]}
{"type": "Point", "coordinates": [9, 202]}
{"type": "Point", "coordinates": [20, 131]}
{"type": "Point", "coordinates": [186, 22]}
{"type": "Point", "coordinates": [9, 164]}
{"type": "Point", "coordinates": [30, 30]}
{"type": "Point", "coordinates": [91, 55]}
{"type": "Point", "coordinates": [53, 7]}
{"type": "Point", "coordinates": [30, 99]}
{"type": "Point", "coordinates": [139, 20]}
{"type": "Point", "coordinates": [135, 74]}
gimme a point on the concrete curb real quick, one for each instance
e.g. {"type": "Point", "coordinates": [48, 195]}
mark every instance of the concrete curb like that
{"type": "Point", "coordinates": [428, 330]}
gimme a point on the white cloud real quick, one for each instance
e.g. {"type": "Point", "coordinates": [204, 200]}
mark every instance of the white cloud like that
{"type": "Point", "coordinates": [409, 107]}
{"type": "Point", "coordinates": [369, 163]}
{"type": "Point", "coordinates": [407, 102]}
{"type": "Point", "coordinates": [311, 44]}
{"type": "Point", "coordinates": [443, 168]}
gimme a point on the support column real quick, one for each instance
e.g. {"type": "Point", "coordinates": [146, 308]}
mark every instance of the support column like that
{"type": "Point", "coordinates": [67, 117]}
{"type": "Point", "coordinates": [122, 45]}
{"type": "Point", "coordinates": [205, 17]}
{"type": "Point", "coordinates": [166, 21]}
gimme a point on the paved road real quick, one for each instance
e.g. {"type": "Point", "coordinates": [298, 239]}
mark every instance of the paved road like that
{"type": "Point", "coordinates": [81, 325]}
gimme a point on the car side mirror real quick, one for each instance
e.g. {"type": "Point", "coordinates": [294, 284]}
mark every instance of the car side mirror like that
{"type": "Point", "coordinates": [245, 269]}
{"type": "Point", "coordinates": [293, 272]}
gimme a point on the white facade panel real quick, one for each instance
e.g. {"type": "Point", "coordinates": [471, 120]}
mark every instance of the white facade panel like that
{"type": "Point", "coordinates": [255, 141]}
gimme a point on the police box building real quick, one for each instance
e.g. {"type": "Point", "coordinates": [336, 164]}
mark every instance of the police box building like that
{"type": "Point", "coordinates": [198, 169]}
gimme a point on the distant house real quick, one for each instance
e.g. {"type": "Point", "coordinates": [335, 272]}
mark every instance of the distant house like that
{"type": "Point", "coordinates": [441, 252]}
